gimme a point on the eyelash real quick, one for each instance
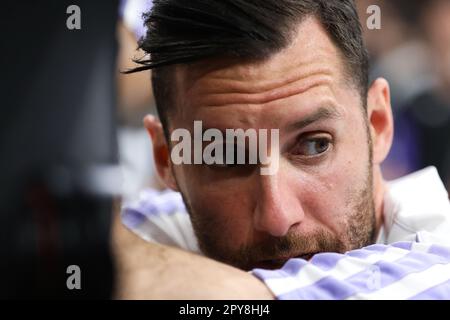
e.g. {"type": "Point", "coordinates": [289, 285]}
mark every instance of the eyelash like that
{"type": "Point", "coordinates": [306, 137]}
{"type": "Point", "coordinates": [309, 137]}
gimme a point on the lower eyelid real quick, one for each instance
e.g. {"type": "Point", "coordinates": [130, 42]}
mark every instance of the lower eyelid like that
{"type": "Point", "coordinates": [304, 159]}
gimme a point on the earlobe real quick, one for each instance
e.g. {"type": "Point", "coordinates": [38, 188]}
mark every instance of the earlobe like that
{"type": "Point", "coordinates": [380, 119]}
{"type": "Point", "coordinates": [160, 151]}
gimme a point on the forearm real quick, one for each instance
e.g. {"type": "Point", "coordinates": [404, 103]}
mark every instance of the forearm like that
{"type": "Point", "coordinates": [152, 271]}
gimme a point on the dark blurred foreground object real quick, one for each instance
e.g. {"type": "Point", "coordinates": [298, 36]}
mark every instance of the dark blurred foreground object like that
{"type": "Point", "coordinates": [58, 150]}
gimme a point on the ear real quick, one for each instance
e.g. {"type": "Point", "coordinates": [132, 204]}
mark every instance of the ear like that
{"type": "Point", "coordinates": [380, 119]}
{"type": "Point", "coordinates": [160, 151]}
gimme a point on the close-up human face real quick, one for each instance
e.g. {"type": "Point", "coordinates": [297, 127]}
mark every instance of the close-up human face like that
{"type": "Point", "coordinates": [321, 196]}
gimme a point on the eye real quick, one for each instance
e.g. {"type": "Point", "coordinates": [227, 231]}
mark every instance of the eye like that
{"type": "Point", "coordinates": [312, 146]}
{"type": "Point", "coordinates": [222, 165]}
{"type": "Point", "coordinates": [222, 162]}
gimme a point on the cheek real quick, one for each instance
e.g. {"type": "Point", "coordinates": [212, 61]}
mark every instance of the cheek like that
{"type": "Point", "coordinates": [328, 192]}
{"type": "Point", "coordinates": [223, 208]}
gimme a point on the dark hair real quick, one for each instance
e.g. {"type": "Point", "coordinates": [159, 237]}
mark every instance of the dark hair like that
{"type": "Point", "coordinates": [184, 31]}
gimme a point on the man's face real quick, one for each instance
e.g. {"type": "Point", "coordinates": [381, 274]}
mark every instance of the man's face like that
{"type": "Point", "coordinates": [320, 199]}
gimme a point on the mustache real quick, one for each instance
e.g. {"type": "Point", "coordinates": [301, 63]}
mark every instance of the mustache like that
{"type": "Point", "coordinates": [291, 245]}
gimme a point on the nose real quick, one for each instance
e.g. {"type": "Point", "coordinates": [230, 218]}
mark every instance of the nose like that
{"type": "Point", "coordinates": [277, 207]}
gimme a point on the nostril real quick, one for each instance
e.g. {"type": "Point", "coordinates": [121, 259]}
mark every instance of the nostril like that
{"type": "Point", "coordinates": [274, 222]}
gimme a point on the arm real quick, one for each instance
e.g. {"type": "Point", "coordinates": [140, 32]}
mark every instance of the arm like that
{"type": "Point", "coordinates": [405, 270]}
{"type": "Point", "coordinates": [152, 271]}
{"type": "Point", "coordinates": [399, 271]}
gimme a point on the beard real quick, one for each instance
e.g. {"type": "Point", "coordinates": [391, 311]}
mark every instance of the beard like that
{"type": "Point", "coordinates": [357, 230]}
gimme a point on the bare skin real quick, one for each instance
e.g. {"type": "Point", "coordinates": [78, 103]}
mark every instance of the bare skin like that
{"type": "Point", "coordinates": [152, 271]}
{"type": "Point", "coordinates": [334, 193]}
{"type": "Point", "coordinates": [311, 194]}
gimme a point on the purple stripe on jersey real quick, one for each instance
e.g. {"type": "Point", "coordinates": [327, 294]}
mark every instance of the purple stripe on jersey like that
{"type": "Point", "coordinates": [158, 203]}
{"type": "Point", "coordinates": [325, 261]}
{"type": "Point", "coordinates": [407, 245]}
{"type": "Point", "coordinates": [375, 277]}
{"type": "Point", "coordinates": [290, 268]}
{"type": "Point", "coordinates": [325, 289]}
{"type": "Point", "coordinates": [439, 292]}
{"type": "Point", "coordinates": [440, 251]}
{"type": "Point", "coordinates": [367, 251]}
{"type": "Point", "coordinates": [132, 218]}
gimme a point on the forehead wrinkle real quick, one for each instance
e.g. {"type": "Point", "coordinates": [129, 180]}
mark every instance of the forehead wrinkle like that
{"type": "Point", "coordinates": [288, 88]}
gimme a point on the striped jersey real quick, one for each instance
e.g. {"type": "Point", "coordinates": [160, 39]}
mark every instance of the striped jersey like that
{"type": "Point", "coordinates": [410, 260]}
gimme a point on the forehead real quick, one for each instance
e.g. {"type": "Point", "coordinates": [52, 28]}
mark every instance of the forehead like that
{"type": "Point", "coordinates": [310, 62]}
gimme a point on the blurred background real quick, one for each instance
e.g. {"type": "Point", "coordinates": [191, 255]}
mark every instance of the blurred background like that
{"type": "Point", "coordinates": [72, 142]}
{"type": "Point", "coordinates": [412, 51]}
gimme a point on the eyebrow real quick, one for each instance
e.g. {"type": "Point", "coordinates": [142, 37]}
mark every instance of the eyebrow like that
{"type": "Point", "coordinates": [321, 114]}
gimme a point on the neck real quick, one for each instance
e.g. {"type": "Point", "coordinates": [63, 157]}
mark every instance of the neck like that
{"type": "Point", "coordinates": [379, 187]}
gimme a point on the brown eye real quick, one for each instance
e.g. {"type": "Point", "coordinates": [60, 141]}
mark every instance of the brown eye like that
{"type": "Point", "coordinates": [313, 146]}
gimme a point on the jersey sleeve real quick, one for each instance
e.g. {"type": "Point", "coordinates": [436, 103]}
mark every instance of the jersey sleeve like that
{"type": "Point", "coordinates": [160, 216]}
{"type": "Point", "coordinates": [403, 270]}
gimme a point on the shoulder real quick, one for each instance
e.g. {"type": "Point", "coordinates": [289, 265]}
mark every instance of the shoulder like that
{"type": "Point", "coordinates": [160, 216]}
